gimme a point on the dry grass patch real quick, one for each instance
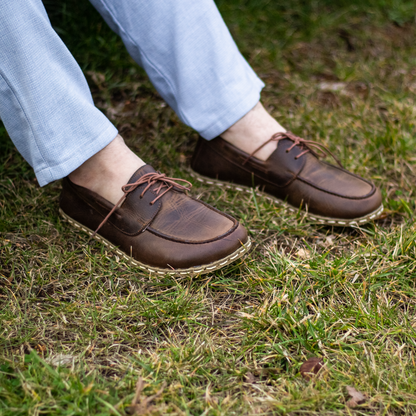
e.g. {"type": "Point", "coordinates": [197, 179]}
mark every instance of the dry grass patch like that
{"type": "Point", "coordinates": [80, 327]}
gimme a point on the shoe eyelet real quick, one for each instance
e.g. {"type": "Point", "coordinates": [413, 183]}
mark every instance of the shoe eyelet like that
{"type": "Point", "coordinates": [287, 151]}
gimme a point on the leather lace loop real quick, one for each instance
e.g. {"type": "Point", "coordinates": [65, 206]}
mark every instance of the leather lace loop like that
{"type": "Point", "coordinates": [316, 148]}
{"type": "Point", "coordinates": [151, 178]}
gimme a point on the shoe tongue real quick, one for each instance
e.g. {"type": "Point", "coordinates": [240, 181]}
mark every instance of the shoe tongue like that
{"type": "Point", "coordinates": [141, 172]}
{"type": "Point", "coordinates": [136, 211]}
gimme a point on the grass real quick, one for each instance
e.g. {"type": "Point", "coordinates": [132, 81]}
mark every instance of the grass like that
{"type": "Point", "coordinates": [231, 342]}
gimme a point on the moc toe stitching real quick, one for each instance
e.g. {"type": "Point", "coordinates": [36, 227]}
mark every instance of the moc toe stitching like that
{"type": "Point", "coordinates": [180, 254]}
{"type": "Point", "coordinates": [324, 186]}
{"type": "Point", "coordinates": [255, 164]}
{"type": "Point", "coordinates": [150, 247]}
{"type": "Point", "coordinates": [106, 206]}
{"type": "Point", "coordinates": [179, 240]}
{"type": "Point", "coordinates": [327, 191]}
{"type": "Point", "coordinates": [262, 178]}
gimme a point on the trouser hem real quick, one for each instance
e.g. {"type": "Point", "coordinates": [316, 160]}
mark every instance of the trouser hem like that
{"type": "Point", "coordinates": [77, 157]}
{"type": "Point", "coordinates": [235, 111]}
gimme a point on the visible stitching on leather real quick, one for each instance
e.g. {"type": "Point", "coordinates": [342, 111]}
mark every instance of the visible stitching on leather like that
{"type": "Point", "coordinates": [322, 220]}
{"type": "Point", "coordinates": [350, 173]}
{"type": "Point", "coordinates": [298, 176]}
{"type": "Point", "coordinates": [233, 227]}
{"type": "Point", "coordinates": [224, 214]}
{"type": "Point", "coordinates": [179, 240]}
{"type": "Point", "coordinates": [250, 172]}
{"type": "Point", "coordinates": [338, 195]}
{"type": "Point", "coordinates": [81, 196]}
{"type": "Point", "coordinates": [202, 269]}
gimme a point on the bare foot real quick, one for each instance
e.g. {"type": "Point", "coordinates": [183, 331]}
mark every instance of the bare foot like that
{"type": "Point", "coordinates": [251, 131]}
{"type": "Point", "coordinates": [108, 170]}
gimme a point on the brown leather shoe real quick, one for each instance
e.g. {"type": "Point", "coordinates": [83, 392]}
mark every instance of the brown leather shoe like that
{"type": "Point", "coordinates": [157, 227]}
{"type": "Point", "coordinates": [293, 173]}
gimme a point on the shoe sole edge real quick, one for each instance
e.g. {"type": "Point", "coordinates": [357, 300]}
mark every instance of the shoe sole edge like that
{"type": "Point", "coordinates": [355, 222]}
{"type": "Point", "coordinates": [198, 270]}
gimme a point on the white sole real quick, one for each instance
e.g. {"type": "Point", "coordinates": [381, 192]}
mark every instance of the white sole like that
{"type": "Point", "coordinates": [192, 271]}
{"type": "Point", "coordinates": [319, 219]}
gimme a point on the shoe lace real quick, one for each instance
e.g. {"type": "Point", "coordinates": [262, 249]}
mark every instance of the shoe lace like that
{"type": "Point", "coordinates": [151, 179]}
{"type": "Point", "coordinates": [316, 148]}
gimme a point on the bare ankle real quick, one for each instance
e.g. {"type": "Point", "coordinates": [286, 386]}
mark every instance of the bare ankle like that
{"type": "Point", "coordinates": [252, 130]}
{"type": "Point", "coordinates": [108, 170]}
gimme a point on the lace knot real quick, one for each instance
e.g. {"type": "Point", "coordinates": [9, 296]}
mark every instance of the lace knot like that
{"type": "Point", "coordinates": [316, 148]}
{"type": "Point", "coordinates": [152, 178]}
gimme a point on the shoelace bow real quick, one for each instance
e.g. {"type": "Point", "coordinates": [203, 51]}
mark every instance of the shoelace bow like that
{"type": "Point", "coordinates": [151, 179]}
{"type": "Point", "coordinates": [316, 148]}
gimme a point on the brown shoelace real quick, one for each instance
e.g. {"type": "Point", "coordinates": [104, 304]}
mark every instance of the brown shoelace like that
{"type": "Point", "coordinates": [316, 148]}
{"type": "Point", "coordinates": [151, 178]}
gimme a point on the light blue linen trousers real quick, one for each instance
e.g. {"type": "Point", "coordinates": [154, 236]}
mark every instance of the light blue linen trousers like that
{"type": "Point", "coordinates": [183, 45]}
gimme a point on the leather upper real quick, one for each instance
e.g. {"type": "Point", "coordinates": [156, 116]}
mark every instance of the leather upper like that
{"type": "Point", "coordinates": [172, 231]}
{"type": "Point", "coordinates": [328, 191]}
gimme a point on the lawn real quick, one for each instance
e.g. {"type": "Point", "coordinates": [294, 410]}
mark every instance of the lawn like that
{"type": "Point", "coordinates": [80, 329]}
